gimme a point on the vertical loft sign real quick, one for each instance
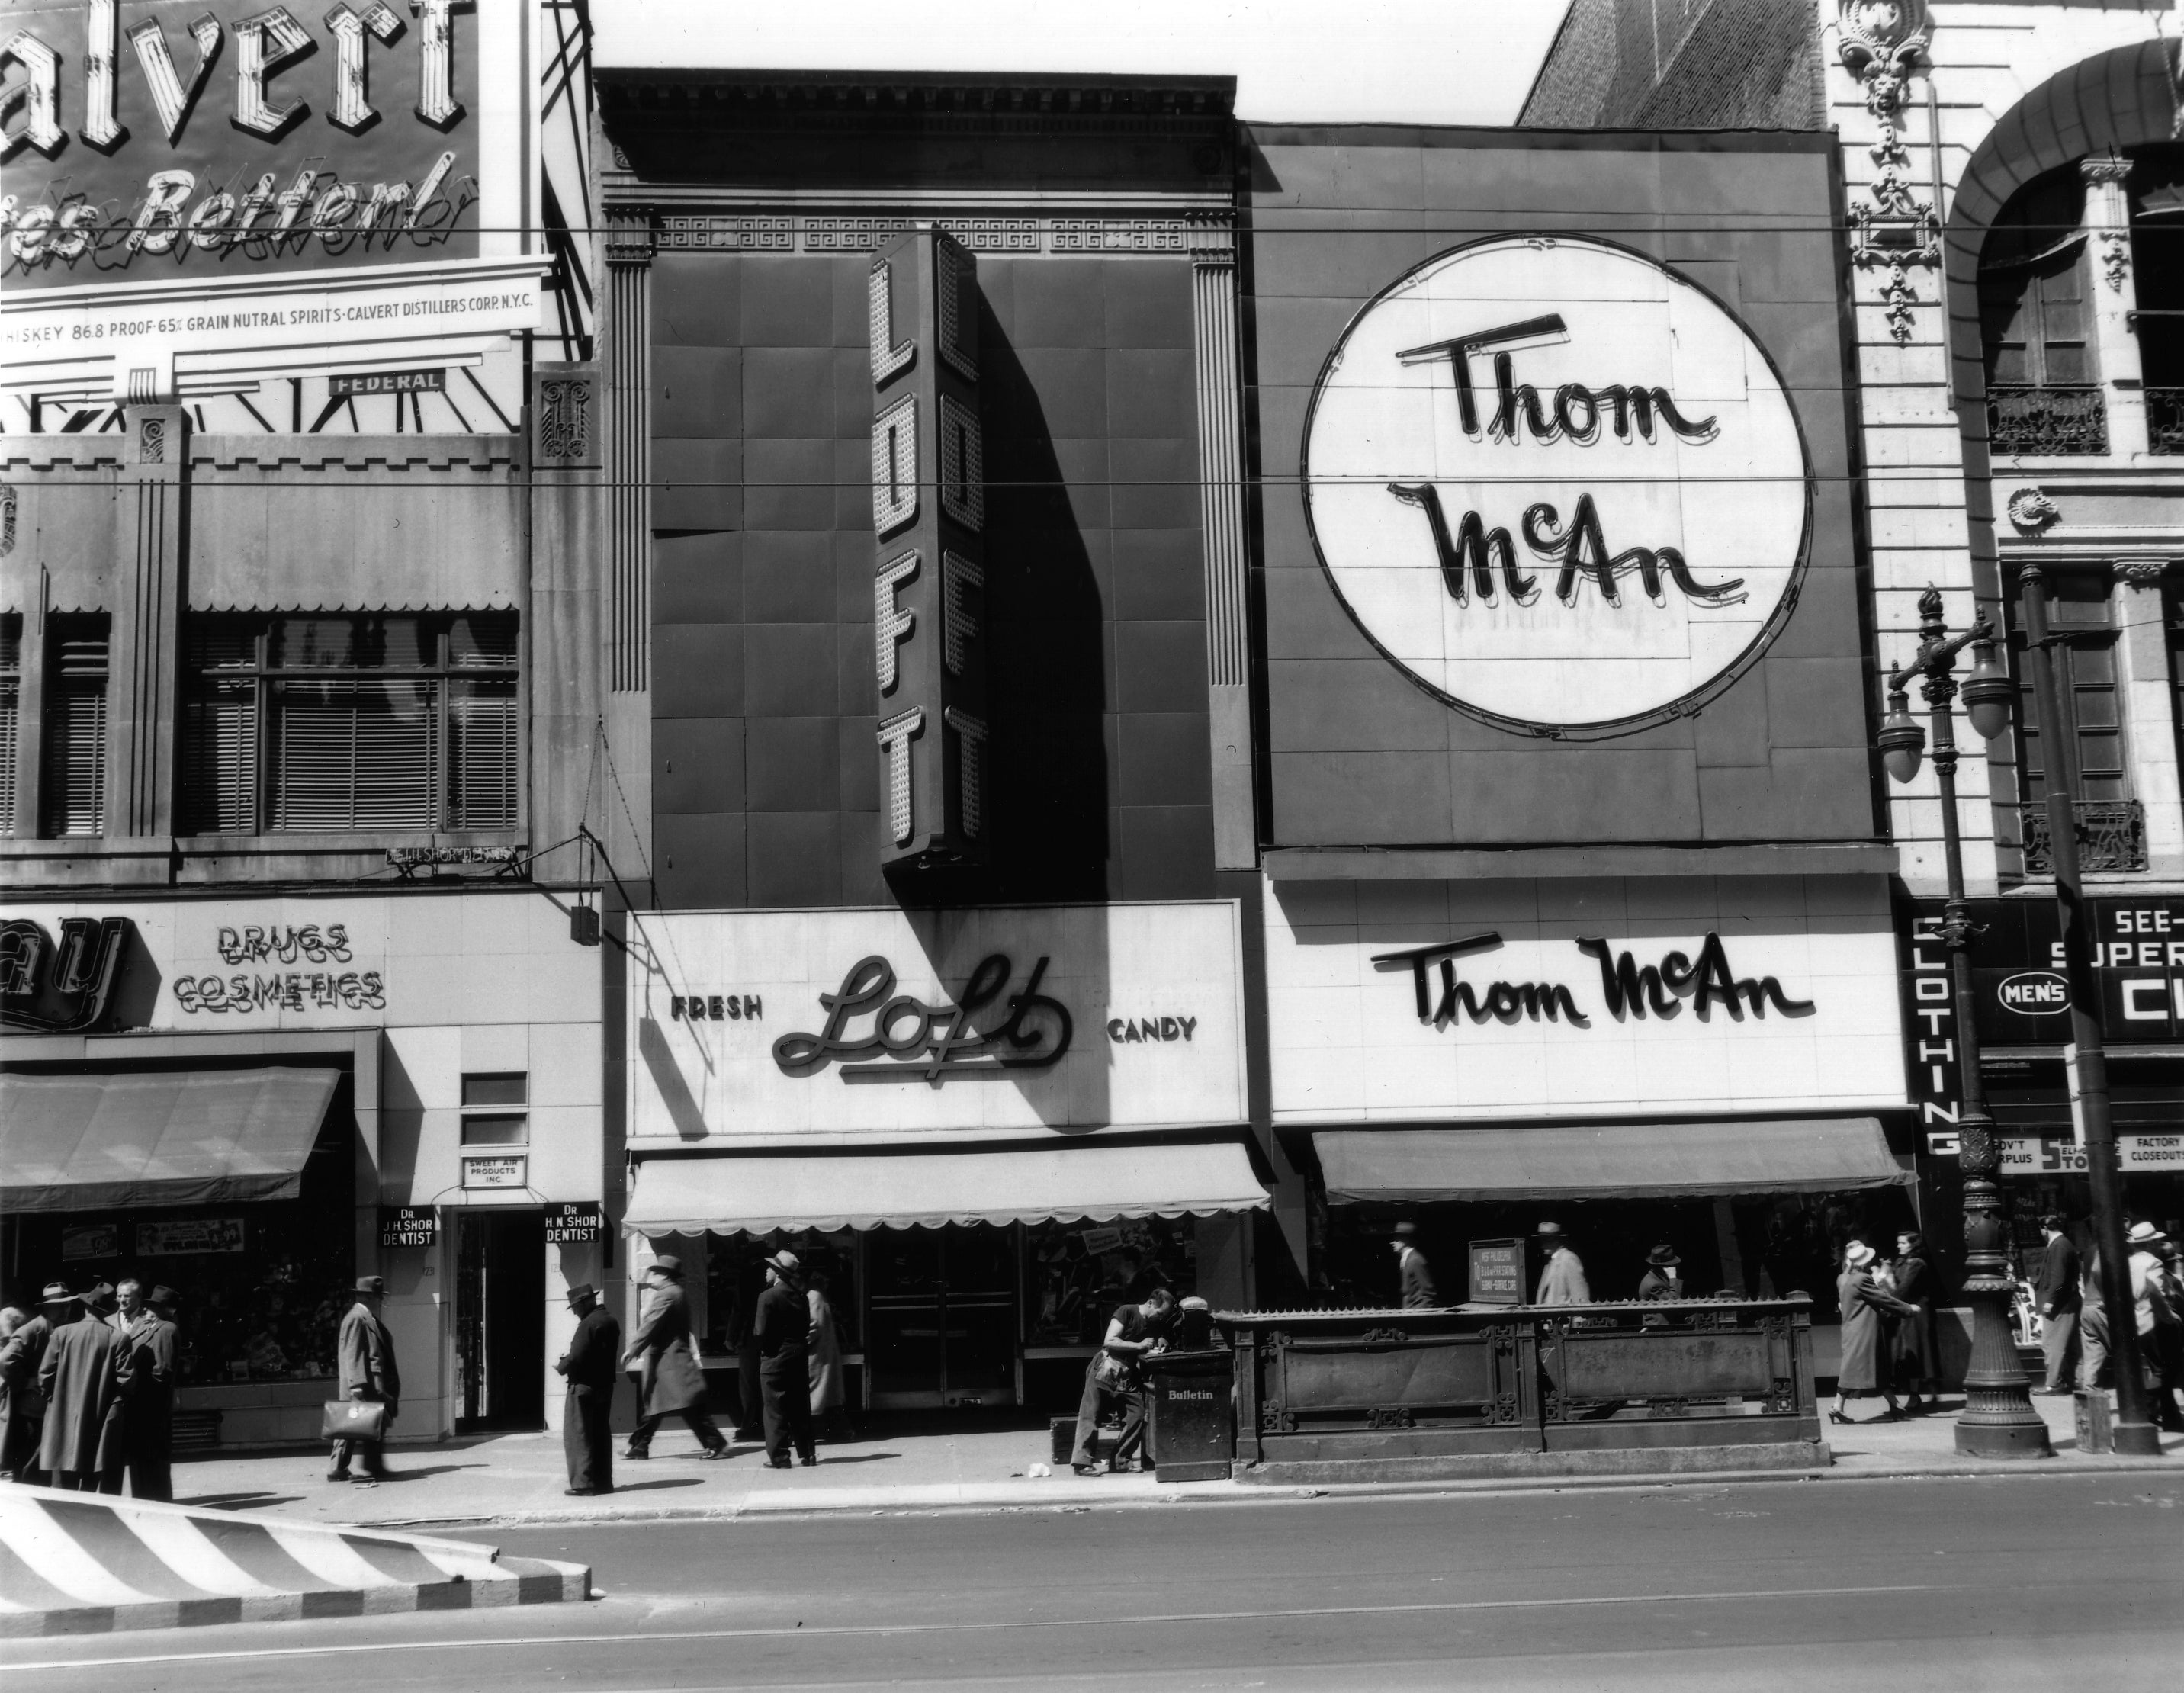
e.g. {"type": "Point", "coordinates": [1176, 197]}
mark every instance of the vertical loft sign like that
{"type": "Point", "coordinates": [928, 524]}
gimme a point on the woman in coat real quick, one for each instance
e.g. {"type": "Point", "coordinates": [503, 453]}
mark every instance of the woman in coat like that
{"type": "Point", "coordinates": [1913, 1346]}
{"type": "Point", "coordinates": [826, 1365]}
{"type": "Point", "coordinates": [1863, 1370]}
{"type": "Point", "coordinates": [669, 1379]}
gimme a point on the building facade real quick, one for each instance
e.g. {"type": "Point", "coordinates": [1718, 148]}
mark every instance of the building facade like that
{"type": "Point", "coordinates": [302, 704]}
{"type": "Point", "coordinates": [935, 621]}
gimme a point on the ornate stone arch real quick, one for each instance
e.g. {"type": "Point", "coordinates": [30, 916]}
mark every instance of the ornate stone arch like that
{"type": "Point", "coordinates": [2125, 97]}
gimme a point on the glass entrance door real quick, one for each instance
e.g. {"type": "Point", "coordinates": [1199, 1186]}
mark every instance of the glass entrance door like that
{"type": "Point", "coordinates": [500, 1319]}
{"type": "Point", "coordinates": [943, 1317]}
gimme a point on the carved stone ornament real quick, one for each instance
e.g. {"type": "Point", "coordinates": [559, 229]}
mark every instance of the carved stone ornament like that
{"type": "Point", "coordinates": [2031, 511]}
{"type": "Point", "coordinates": [1881, 43]}
{"type": "Point", "coordinates": [151, 441]}
{"type": "Point", "coordinates": [7, 519]}
{"type": "Point", "coordinates": [2130, 572]}
{"type": "Point", "coordinates": [564, 418]}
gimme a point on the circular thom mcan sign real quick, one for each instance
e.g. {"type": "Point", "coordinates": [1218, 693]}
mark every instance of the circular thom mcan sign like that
{"type": "Point", "coordinates": [1560, 487]}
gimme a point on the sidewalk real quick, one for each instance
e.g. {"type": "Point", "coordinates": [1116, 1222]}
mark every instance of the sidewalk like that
{"type": "Point", "coordinates": [506, 1479]}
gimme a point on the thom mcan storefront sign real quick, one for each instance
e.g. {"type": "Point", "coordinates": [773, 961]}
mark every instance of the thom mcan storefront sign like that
{"type": "Point", "coordinates": [883, 1021]}
{"type": "Point", "coordinates": [1419, 1001]}
{"type": "Point", "coordinates": [1559, 487]}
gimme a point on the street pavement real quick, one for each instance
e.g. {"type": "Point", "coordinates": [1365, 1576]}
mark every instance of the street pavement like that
{"type": "Point", "coordinates": [2047, 1579]}
{"type": "Point", "coordinates": [509, 1479]}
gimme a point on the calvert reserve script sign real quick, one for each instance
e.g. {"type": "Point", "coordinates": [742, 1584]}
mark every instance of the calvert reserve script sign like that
{"type": "Point", "coordinates": [1558, 486]}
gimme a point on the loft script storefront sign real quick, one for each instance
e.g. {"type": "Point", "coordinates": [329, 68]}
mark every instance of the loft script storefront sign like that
{"type": "Point", "coordinates": [1560, 487]}
{"type": "Point", "coordinates": [1494, 1000]}
{"type": "Point", "coordinates": [885, 1021]}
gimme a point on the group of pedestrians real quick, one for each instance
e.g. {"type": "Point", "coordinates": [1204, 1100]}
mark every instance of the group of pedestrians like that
{"type": "Point", "coordinates": [1890, 1342]}
{"type": "Point", "coordinates": [86, 1390]}
{"type": "Point", "coordinates": [2067, 1291]}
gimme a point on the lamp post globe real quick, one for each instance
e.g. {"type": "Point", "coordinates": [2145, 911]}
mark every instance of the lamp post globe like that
{"type": "Point", "coordinates": [1902, 742]}
{"type": "Point", "coordinates": [1988, 694]}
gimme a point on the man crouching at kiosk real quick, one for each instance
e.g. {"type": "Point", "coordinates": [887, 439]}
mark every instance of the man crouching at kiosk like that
{"type": "Point", "coordinates": [1133, 1332]}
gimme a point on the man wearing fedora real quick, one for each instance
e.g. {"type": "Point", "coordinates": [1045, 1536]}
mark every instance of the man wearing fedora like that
{"type": "Point", "coordinates": [669, 1383]}
{"type": "Point", "coordinates": [369, 1374]}
{"type": "Point", "coordinates": [1562, 1282]}
{"type": "Point", "coordinates": [147, 1389]}
{"type": "Point", "coordinates": [783, 1326]}
{"type": "Point", "coordinates": [80, 1381]}
{"type": "Point", "coordinates": [589, 1367]}
{"type": "Point", "coordinates": [1662, 1279]}
{"type": "Point", "coordinates": [1419, 1293]}
{"type": "Point", "coordinates": [2155, 1301]}
{"type": "Point", "coordinates": [20, 1360]}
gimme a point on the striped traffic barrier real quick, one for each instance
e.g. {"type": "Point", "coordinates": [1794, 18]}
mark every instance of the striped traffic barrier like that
{"type": "Point", "coordinates": [85, 1563]}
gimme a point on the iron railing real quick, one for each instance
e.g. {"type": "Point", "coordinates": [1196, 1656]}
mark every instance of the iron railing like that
{"type": "Point", "coordinates": [2111, 837]}
{"type": "Point", "coordinates": [2164, 420]}
{"type": "Point", "coordinates": [2044, 423]}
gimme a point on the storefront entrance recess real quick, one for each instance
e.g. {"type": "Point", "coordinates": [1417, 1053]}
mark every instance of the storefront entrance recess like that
{"type": "Point", "coordinates": [500, 1319]}
{"type": "Point", "coordinates": [943, 1316]}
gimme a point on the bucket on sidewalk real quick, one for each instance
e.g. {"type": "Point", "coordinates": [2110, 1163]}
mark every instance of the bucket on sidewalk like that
{"type": "Point", "coordinates": [2096, 1422]}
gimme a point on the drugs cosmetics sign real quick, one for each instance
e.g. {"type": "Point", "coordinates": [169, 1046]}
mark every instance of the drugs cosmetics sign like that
{"type": "Point", "coordinates": [1559, 487]}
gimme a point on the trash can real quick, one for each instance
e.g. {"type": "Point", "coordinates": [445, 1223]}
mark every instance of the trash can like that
{"type": "Point", "coordinates": [1193, 1435]}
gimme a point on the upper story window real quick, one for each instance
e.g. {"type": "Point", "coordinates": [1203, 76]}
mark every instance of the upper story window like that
{"type": "Point", "coordinates": [2156, 192]}
{"type": "Point", "coordinates": [302, 724]}
{"type": "Point", "coordinates": [2089, 742]}
{"type": "Point", "coordinates": [75, 751]}
{"type": "Point", "coordinates": [2036, 324]}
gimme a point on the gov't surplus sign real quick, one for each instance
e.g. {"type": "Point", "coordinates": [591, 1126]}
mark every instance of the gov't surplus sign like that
{"type": "Point", "coordinates": [239, 138]}
{"type": "Point", "coordinates": [1558, 486]}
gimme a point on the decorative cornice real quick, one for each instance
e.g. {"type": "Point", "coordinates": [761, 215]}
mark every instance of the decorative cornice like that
{"type": "Point", "coordinates": [2139, 572]}
{"type": "Point", "coordinates": [1199, 234]}
{"type": "Point", "coordinates": [2106, 169]}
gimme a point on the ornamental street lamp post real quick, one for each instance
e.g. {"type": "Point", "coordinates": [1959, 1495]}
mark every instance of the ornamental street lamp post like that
{"type": "Point", "coordinates": [2135, 1431]}
{"type": "Point", "coordinates": [1998, 1420]}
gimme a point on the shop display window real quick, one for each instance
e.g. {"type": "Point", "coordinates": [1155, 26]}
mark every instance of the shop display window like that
{"type": "Point", "coordinates": [727, 1273]}
{"type": "Point", "coordinates": [1076, 1273]}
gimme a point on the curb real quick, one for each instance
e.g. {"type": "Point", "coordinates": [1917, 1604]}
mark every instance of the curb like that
{"type": "Point", "coordinates": [74, 1563]}
{"type": "Point", "coordinates": [785, 1505]}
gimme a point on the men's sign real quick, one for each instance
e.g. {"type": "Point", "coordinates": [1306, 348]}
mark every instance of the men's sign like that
{"type": "Point", "coordinates": [171, 135]}
{"type": "Point", "coordinates": [1557, 485]}
{"type": "Point", "coordinates": [890, 1021]}
{"type": "Point", "coordinates": [1501, 1001]}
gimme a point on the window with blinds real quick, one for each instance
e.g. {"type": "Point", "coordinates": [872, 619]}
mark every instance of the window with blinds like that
{"type": "Point", "coordinates": [74, 753]}
{"type": "Point", "coordinates": [302, 725]}
{"type": "Point", "coordinates": [11, 712]}
{"type": "Point", "coordinates": [2079, 616]}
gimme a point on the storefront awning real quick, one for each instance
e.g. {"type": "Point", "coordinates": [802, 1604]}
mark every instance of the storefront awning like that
{"type": "Point", "coordinates": [163, 1138]}
{"type": "Point", "coordinates": [899, 1190]}
{"type": "Point", "coordinates": [1625, 1161]}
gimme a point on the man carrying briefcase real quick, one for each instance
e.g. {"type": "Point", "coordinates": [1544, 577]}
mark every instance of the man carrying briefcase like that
{"type": "Point", "coordinates": [371, 1384]}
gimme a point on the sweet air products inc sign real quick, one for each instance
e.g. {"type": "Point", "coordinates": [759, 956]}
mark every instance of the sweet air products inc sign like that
{"type": "Point", "coordinates": [1558, 486]}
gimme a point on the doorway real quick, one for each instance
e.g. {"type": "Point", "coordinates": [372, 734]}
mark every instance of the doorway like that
{"type": "Point", "coordinates": [500, 1320]}
{"type": "Point", "coordinates": [942, 1326]}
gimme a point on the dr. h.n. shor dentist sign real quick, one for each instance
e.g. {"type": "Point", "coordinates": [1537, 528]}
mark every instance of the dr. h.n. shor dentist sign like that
{"type": "Point", "coordinates": [1560, 487]}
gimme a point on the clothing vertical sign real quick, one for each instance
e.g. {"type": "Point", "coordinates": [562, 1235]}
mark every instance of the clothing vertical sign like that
{"type": "Point", "coordinates": [929, 519]}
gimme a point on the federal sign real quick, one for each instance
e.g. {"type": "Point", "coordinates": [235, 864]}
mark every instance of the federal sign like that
{"type": "Point", "coordinates": [1497, 1272]}
{"type": "Point", "coordinates": [1557, 485]}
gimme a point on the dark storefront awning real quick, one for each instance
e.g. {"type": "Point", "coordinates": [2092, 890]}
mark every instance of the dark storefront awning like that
{"type": "Point", "coordinates": [163, 1138]}
{"type": "Point", "coordinates": [903, 1189]}
{"type": "Point", "coordinates": [1625, 1160]}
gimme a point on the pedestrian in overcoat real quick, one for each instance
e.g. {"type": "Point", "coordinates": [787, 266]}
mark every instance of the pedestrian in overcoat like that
{"type": "Point", "coordinates": [1419, 1293]}
{"type": "Point", "coordinates": [1563, 1281]}
{"type": "Point", "coordinates": [783, 1326]}
{"type": "Point", "coordinates": [369, 1373]}
{"type": "Point", "coordinates": [1863, 1369]}
{"type": "Point", "coordinates": [669, 1383]}
{"type": "Point", "coordinates": [20, 1355]}
{"type": "Point", "coordinates": [828, 1395]}
{"type": "Point", "coordinates": [147, 1394]}
{"type": "Point", "coordinates": [1915, 1349]}
{"type": "Point", "coordinates": [2055, 1290]}
{"type": "Point", "coordinates": [80, 1381]}
{"type": "Point", "coordinates": [589, 1367]}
